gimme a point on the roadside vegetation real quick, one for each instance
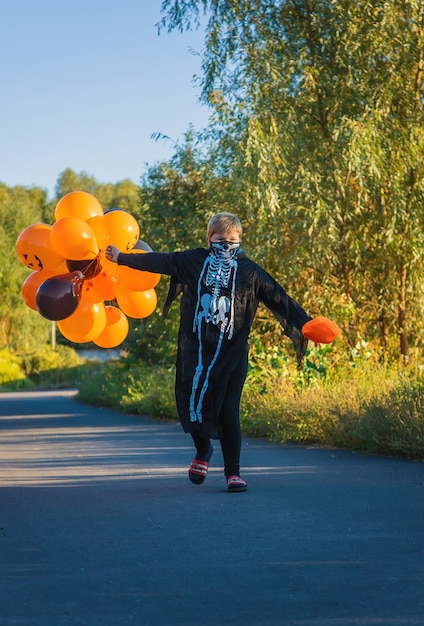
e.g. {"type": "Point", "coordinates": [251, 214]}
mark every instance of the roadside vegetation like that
{"type": "Point", "coordinates": [45, 369]}
{"type": "Point", "coordinates": [316, 141]}
{"type": "Point", "coordinates": [362, 405]}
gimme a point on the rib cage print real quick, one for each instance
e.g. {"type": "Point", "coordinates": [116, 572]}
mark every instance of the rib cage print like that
{"type": "Point", "coordinates": [213, 307]}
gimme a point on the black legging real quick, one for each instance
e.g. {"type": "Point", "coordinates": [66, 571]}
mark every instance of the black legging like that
{"type": "Point", "coordinates": [229, 419]}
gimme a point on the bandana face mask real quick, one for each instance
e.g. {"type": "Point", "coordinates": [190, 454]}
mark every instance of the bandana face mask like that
{"type": "Point", "coordinates": [225, 249]}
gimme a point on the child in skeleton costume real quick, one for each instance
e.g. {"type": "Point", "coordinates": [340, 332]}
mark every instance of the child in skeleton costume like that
{"type": "Point", "coordinates": [221, 290]}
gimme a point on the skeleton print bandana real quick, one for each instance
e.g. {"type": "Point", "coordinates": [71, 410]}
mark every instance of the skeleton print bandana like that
{"type": "Point", "coordinates": [225, 249]}
{"type": "Point", "coordinates": [215, 305]}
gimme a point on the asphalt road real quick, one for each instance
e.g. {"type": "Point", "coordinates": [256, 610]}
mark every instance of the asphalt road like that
{"type": "Point", "coordinates": [99, 525]}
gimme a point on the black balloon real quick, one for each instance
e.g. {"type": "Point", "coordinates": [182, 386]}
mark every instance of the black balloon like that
{"type": "Point", "coordinates": [58, 297]}
{"type": "Point", "coordinates": [88, 268]}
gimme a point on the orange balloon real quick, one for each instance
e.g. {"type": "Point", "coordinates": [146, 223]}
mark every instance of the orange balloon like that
{"type": "Point", "coordinates": [35, 249]}
{"type": "Point", "coordinates": [121, 229]}
{"type": "Point", "coordinates": [78, 204]}
{"type": "Point", "coordinates": [116, 329]}
{"type": "Point", "coordinates": [138, 304]}
{"type": "Point", "coordinates": [74, 239]}
{"type": "Point", "coordinates": [88, 321]}
{"type": "Point", "coordinates": [31, 285]}
{"type": "Point", "coordinates": [89, 294]}
{"type": "Point", "coordinates": [62, 268]}
{"type": "Point", "coordinates": [107, 265]}
{"type": "Point", "coordinates": [97, 224]}
{"type": "Point", "coordinates": [137, 280]}
{"type": "Point", "coordinates": [104, 285]}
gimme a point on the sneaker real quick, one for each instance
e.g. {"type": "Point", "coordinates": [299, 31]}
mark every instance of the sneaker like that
{"type": "Point", "coordinates": [198, 469]}
{"type": "Point", "coordinates": [235, 483]}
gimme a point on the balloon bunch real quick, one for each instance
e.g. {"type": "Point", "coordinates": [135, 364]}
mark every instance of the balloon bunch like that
{"type": "Point", "coordinates": [74, 284]}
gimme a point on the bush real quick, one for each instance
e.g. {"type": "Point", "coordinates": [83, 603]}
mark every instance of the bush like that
{"type": "Point", "coordinates": [130, 386]}
{"type": "Point", "coordinates": [392, 423]}
{"type": "Point", "coordinates": [362, 404]}
{"type": "Point", "coordinates": [11, 370]}
{"type": "Point", "coordinates": [366, 407]}
{"type": "Point", "coordinates": [47, 368]}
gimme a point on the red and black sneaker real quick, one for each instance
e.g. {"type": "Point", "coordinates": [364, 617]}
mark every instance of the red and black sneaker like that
{"type": "Point", "coordinates": [198, 469]}
{"type": "Point", "coordinates": [235, 483]}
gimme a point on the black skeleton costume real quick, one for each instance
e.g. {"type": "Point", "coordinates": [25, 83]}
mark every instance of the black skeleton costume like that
{"type": "Point", "coordinates": [221, 290]}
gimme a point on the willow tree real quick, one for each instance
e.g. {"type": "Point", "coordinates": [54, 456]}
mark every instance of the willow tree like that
{"type": "Point", "coordinates": [319, 111]}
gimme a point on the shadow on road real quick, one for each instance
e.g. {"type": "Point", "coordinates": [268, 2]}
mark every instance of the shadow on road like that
{"type": "Point", "coordinates": [99, 525]}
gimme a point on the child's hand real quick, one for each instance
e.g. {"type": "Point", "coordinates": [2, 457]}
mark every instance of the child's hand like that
{"type": "Point", "coordinates": [112, 253]}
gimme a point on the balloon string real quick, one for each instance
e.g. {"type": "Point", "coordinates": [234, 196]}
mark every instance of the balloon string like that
{"type": "Point", "coordinates": [87, 267]}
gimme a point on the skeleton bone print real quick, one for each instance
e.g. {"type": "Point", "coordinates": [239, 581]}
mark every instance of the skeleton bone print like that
{"type": "Point", "coordinates": [213, 307]}
{"type": "Point", "coordinates": [221, 289]}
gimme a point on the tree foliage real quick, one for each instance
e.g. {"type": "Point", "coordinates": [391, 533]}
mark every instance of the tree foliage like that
{"type": "Point", "coordinates": [19, 325]}
{"type": "Point", "coordinates": [122, 195]}
{"type": "Point", "coordinates": [316, 141]}
{"type": "Point", "coordinates": [320, 106]}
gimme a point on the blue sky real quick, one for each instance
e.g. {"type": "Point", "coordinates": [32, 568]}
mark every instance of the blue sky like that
{"type": "Point", "coordinates": [86, 83]}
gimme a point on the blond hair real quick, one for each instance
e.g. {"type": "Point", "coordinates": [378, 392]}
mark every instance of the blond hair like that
{"type": "Point", "coordinates": [224, 223]}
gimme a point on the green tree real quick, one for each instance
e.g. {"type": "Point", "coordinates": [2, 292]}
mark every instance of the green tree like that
{"type": "Point", "coordinates": [174, 198]}
{"type": "Point", "coordinates": [319, 106]}
{"type": "Point", "coordinates": [21, 329]}
{"type": "Point", "coordinates": [69, 181]}
{"type": "Point", "coordinates": [174, 204]}
{"type": "Point", "coordinates": [122, 195]}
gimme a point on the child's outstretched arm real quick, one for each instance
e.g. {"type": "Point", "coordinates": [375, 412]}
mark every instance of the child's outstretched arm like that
{"type": "Point", "coordinates": [157, 262]}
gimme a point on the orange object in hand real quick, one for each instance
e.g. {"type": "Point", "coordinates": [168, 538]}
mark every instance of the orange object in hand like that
{"type": "Point", "coordinates": [320, 330]}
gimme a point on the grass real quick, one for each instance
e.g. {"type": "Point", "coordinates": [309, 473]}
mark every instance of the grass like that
{"type": "Point", "coordinates": [376, 409]}
{"type": "Point", "coordinates": [130, 386]}
{"type": "Point", "coordinates": [372, 409]}
{"type": "Point", "coordinates": [362, 405]}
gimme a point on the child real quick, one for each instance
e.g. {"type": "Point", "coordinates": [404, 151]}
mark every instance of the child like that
{"type": "Point", "coordinates": [221, 290]}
